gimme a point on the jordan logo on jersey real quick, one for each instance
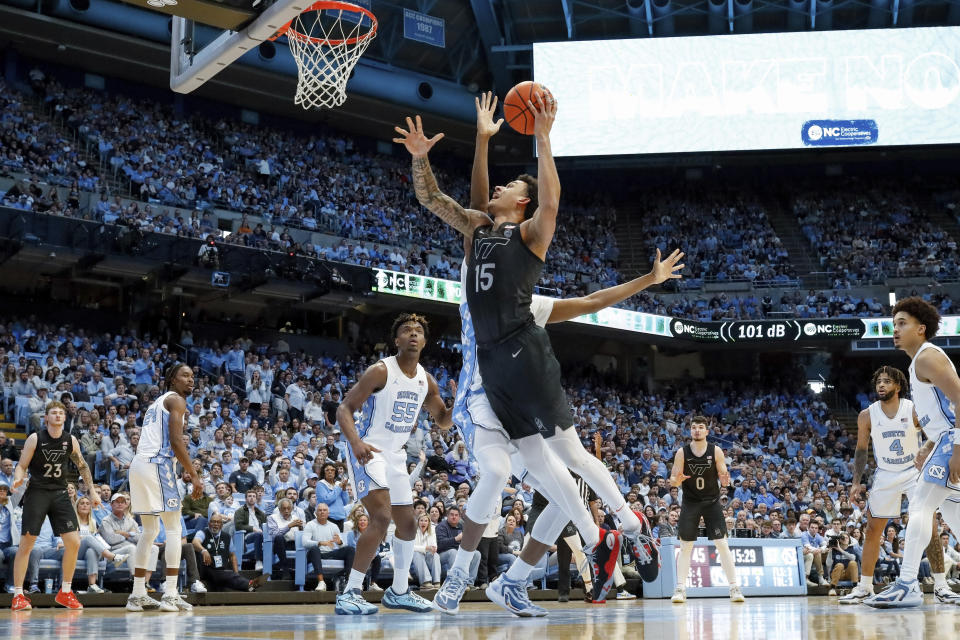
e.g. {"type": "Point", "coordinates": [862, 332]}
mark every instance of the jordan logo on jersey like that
{"type": "Point", "coordinates": [485, 246]}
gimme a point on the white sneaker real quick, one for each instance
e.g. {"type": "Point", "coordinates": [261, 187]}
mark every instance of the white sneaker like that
{"type": "Point", "coordinates": [119, 559]}
{"type": "Point", "coordinates": [172, 602]}
{"type": "Point", "coordinates": [94, 588]}
{"type": "Point", "coordinates": [198, 587]}
{"type": "Point", "coordinates": [679, 596]}
{"type": "Point", "coordinates": [946, 595]}
{"type": "Point", "coordinates": [735, 594]}
{"type": "Point", "coordinates": [258, 565]}
{"type": "Point", "coordinates": [832, 592]}
{"type": "Point", "coordinates": [321, 586]}
{"type": "Point", "coordinates": [856, 596]}
{"type": "Point", "coordinates": [625, 595]}
{"type": "Point", "coordinates": [139, 603]}
{"type": "Point", "coordinates": [824, 583]}
{"type": "Point", "coordinates": [375, 587]}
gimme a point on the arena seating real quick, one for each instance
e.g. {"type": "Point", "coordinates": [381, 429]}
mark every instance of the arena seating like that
{"type": "Point", "coordinates": [865, 233]}
{"type": "Point", "coordinates": [326, 195]}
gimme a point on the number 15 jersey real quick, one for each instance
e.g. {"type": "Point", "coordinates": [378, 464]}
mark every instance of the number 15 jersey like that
{"type": "Point", "coordinates": [502, 272]}
{"type": "Point", "coordinates": [390, 414]}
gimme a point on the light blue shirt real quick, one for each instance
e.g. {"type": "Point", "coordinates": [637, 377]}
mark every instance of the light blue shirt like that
{"type": "Point", "coordinates": [5, 535]}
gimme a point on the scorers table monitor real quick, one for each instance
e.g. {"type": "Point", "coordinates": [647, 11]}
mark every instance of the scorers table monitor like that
{"type": "Point", "coordinates": [765, 567]}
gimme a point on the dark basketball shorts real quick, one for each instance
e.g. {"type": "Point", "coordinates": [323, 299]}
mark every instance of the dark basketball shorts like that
{"type": "Point", "coordinates": [688, 525]}
{"type": "Point", "coordinates": [43, 503]}
{"type": "Point", "coordinates": [521, 377]}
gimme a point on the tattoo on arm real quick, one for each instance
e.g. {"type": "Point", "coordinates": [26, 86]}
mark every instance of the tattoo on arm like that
{"type": "Point", "coordinates": [859, 465]}
{"type": "Point", "coordinates": [83, 469]}
{"type": "Point", "coordinates": [430, 196]}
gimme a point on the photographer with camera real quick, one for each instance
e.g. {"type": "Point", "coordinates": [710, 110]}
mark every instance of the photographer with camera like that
{"type": "Point", "coordinates": [209, 254]}
{"type": "Point", "coordinates": [841, 561]}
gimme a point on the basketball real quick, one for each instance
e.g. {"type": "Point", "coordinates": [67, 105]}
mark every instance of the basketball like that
{"type": "Point", "coordinates": [515, 109]}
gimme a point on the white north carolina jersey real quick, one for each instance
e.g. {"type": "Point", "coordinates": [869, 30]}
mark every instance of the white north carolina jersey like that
{"type": "Point", "coordinates": [934, 410]}
{"type": "Point", "coordinates": [155, 433]}
{"type": "Point", "coordinates": [389, 415]}
{"type": "Point", "coordinates": [470, 382]}
{"type": "Point", "coordinates": [896, 440]}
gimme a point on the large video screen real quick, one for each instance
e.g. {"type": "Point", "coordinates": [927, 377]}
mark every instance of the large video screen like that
{"type": "Point", "coordinates": [753, 91]}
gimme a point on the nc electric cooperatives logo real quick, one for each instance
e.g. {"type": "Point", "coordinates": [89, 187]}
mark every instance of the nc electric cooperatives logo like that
{"type": "Point", "coordinates": [838, 133]}
{"type": "Point", "coordinates": [832, 330]}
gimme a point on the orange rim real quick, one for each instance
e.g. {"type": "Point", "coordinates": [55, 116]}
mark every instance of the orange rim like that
{"type": "Point", "coordinates": [322, 5]}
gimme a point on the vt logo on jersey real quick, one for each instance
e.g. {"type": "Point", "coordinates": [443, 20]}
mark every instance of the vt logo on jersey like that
{"type": "Point", "coordinates": [483, 247]}
{"type": "Point", "coordinates": [698, 468]}
{"type": "Point", "coordinates": [53, 456]}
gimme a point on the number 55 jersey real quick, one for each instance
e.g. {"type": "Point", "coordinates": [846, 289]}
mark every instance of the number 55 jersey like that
{"type": "Point", "coordinates": [387, 419]}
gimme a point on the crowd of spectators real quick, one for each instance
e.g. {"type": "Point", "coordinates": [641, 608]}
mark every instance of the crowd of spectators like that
{"type": "Point", "coordinates": [726, 236]}
{"type": "Point", "coordinates": [319, 182]}
{"type": "Point", "coordinates": [182, 169]}
{"type": "Point", "coordinates": [272, 464]}
{"type": "Point", "coordinates": [865, 233]}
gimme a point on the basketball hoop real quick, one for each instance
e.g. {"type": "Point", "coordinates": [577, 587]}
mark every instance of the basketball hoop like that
{"type": "Point", "coordinates": [326, 48]}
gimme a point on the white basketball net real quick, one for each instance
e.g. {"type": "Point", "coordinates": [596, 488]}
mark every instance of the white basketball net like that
{"type": "Point", "coordinates": [326, 48]}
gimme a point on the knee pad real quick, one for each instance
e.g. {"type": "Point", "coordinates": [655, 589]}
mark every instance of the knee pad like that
{"type": "Point", "coordinates": [151, 526]}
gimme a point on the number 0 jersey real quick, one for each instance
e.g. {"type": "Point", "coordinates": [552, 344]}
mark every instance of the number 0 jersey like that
{"type": "Point", "coordinates": [155, 434]}
{"type": "Point", "coordinates": [896, 440]}
{"type": "Point", "coordinates": [390, 414]}
{"type": "Point", "coordinates": [48, 466]}
{"type": "Point", "coordinates": [703, 485]}
{"type": "Point", "coordinates": [934, 410]}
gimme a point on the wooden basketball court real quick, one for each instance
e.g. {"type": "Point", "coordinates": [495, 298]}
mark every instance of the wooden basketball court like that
{"type": "Point", "coordinates": [793, 618]}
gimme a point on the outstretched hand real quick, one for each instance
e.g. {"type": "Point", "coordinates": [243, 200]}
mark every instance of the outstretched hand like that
{"type": "Point", "coordinates": [667, 269]}
{"type": "Point", "coordinates": [676, 481]}
{"type": "Point", "coordinates": [486, 106]}
{"type": "Point", "coordinates": [414, 139]}
{"type": "Point", "coordinates": [544, 113]}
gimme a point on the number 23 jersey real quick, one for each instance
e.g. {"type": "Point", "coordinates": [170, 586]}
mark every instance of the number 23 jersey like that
{"type": "Point", "coordinates": [48, 466]}
{"type": "Point", "coordinates": [390, 414]}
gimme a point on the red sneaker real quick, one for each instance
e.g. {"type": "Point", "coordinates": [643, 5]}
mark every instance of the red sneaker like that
{"type": "Point", "coordinates": [21, 603]}
{"type": "Point", "coordinates": [68, 600]}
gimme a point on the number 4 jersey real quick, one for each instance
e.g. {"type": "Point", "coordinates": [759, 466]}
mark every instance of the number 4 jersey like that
{"type": "Point", "coordinates": [390, 414]}
{"type": "Point", "coordinates": [896, 440]}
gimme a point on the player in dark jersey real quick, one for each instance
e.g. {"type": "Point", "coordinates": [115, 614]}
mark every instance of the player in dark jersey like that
{"type": "Point", "coordinates": [521, 374]}
{"type": "Point", "coordinates": [700, 468]}
{"type": "Point", "coordinates": [45, 454]}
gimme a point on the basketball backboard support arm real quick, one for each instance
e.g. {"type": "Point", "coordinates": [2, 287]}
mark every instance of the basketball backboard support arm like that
{"type": "Point", "coordinates": [189, 70]}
